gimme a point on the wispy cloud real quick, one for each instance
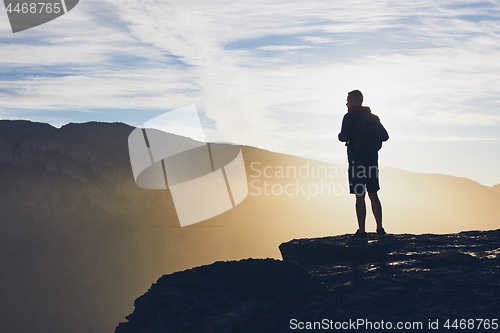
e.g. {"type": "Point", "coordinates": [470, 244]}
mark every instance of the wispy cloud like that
{"type": "Point", "coordinates": [323, 40]}
{"type": "Point", "coordinates": [283, 47]}
{"type": "Point", "coordinates": [444, 138]}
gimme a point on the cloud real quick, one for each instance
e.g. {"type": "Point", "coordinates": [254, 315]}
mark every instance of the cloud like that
{"type": "Point", "coordinates": [318, 39]}
{"type": "Point", "coordinates": [283, 47]}
{"type": "Point", "coordinates": [468, 119]}
{"type": "Point", "coordinates": [135, 89]}
{"type": "Point", "coordinates": [444, 138]}
{"type": "Point", "coordinates": [324, 40]}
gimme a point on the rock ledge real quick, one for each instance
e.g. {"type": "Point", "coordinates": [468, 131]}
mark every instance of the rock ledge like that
{"type": "Point", "coordinates": [396, 278]}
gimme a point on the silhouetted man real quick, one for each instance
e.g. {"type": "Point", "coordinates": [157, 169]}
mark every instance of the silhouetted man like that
{"type": "Point", "coordinates": [363, 134]}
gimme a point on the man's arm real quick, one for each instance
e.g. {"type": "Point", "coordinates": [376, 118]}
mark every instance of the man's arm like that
{"type": "Point", "coordinates": [345, 134]}
{"type": "Point", "coordinates": [384, 134]}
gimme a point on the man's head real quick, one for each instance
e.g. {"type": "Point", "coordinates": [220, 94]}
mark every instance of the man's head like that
{"type": "Point", "coordinates": [354, 98]}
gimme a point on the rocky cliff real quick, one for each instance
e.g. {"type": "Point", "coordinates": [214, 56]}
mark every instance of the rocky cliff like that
{"type": "Point", "coordinates": [421, 282]}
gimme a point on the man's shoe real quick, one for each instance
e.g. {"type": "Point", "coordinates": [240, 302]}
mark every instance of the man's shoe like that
{"type": "Point", "coordinates": [381, 232]}
{"type": "Point", "coordinates": [360, 235]}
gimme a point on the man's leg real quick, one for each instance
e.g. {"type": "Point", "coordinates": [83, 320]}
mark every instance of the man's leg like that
{"type": "Point", "coordinates": [376, 208]}
{"type": "Point", "coordinates": [361, 211]}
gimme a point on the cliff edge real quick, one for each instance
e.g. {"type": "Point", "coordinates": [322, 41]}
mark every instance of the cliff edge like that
{"type": "Point", "coordinates": [404, 278]}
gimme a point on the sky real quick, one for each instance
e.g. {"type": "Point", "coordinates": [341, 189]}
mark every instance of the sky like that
{"type": "Point", "coordinates": [274, 74]}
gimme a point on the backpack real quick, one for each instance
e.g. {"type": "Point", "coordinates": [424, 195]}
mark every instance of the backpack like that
{"type": "Point", "coordinates": [368, 134]}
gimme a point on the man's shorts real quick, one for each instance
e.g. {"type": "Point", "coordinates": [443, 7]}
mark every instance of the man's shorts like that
{"type": "Point", "coordinates": [363, 174]}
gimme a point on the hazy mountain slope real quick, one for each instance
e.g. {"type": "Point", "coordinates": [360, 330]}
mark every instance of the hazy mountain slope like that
{"type": "Point", "coordinates": [80, 241]}
{"type": "Point", "coordinates": [433, 203]}
{"type": "Point", "coordinates": [71, 215]}
{"type": "Point", "coordinates": [412, 202]}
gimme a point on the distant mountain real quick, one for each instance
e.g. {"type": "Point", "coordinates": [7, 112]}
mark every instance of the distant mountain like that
{"type": "Point", "coordinates": [80, 241]}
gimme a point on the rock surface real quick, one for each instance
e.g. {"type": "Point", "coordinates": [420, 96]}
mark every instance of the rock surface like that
{"type": "Point", "coordinates": [219, 297]}
{"type": "Point", "coordinates": [397, 278]}
{"type": "Point", "coordinates": [448, 249]}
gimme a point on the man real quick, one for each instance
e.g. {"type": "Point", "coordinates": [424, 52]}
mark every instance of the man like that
{"type": "Point", "coordinates": [363, 134]}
